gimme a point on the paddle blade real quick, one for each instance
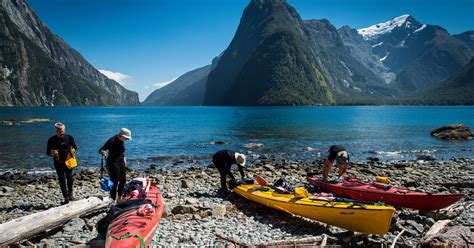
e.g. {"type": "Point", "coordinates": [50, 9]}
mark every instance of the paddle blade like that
{"type": "Point", "coordinates": [261, 181]}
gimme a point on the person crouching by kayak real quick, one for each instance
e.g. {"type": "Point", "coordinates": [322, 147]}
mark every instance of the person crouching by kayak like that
{"type": "Point", "coordinates": [58, 147]}
{"type": "Point", "coordinates": [338, 155]}
{"type": "Point", "coordinates": [223, 160]}
{"type": "Point", "coordinates": [116, 161]}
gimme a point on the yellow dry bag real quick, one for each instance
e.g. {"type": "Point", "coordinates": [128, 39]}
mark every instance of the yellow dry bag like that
{"type": "Point", "coordinates": [71, 160]}
{"type": "Point", "coordinates": [382, 180]}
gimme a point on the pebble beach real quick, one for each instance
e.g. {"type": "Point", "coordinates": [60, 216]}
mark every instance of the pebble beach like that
{"type": "Point", "coordinates": [195, 215]}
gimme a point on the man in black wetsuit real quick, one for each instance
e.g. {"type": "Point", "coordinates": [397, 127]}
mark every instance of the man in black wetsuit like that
{"type": "Point", "coordinates": [116, 161]}
{"type": "Point", "coordinates": [223, 160]}
{"type": "Point", "coordinates": [339, 155]}
{"type": "Point", "coordinates": [58, 147]}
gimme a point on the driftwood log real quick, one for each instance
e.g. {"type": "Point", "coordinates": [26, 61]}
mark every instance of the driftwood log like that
{"type": "Point", "coordinates": [313, 241]}
{"type": "Point", "coordinates": [31, 225]}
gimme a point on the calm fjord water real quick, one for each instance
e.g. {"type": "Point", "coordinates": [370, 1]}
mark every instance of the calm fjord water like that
{"type": "Point", "coordinates": [163, 133]}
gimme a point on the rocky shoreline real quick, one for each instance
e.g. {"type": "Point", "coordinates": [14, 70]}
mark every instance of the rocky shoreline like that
{"type": "Point", "coordinates": [196, 215]}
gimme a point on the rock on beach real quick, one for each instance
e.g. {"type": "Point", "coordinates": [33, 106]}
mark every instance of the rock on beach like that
{"type": "Point", "coordinates": [196, 215]}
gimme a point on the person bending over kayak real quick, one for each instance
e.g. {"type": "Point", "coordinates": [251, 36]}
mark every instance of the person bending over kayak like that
{"type": "Point", "coordinates": [58, 147]}
{"type": "Point", "coordinates": [338, 155]}
{"type": "Point", "coordinates": [116, 161]}
{"type": "Point", "coordinates": [223, 160]}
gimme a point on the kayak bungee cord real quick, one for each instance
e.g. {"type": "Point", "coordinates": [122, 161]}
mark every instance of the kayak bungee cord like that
{"type": "Point", "coordinates": [128, 235]}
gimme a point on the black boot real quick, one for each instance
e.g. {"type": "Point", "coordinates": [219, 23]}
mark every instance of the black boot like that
{"type": "Point", "coordinates": [223, 192]}
{"type": "Point", "coordinates": [70, 197]}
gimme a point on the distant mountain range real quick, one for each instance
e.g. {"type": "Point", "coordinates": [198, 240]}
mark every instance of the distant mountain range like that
{"type": "Point", "coordinates": [38, 68]}
{"type": "Point", "coordinates": [276, 58]}
{"type": "Point", "coordinates": [459, 89]}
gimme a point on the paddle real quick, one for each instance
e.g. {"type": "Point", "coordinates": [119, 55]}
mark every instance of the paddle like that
{"type": "Point", "coordinates": [261, 181]}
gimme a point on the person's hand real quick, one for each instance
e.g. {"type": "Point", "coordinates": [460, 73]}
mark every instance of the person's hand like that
{"type": "Point", "coordinates": [103, 153]}
{"type": "Point", "coordinates": [54, 153]}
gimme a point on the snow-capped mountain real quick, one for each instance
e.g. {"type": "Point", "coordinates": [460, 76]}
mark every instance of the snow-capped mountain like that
{"type": "Point", "coordinates": [421, 55]}
{"type": "Point", "coordinates": [377, 30]}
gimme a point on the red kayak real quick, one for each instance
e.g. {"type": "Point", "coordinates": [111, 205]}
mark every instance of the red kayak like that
{"type": "Point", "coordinates": [137, 226]}
{"type": "Point", "coordinates": [391, 196]}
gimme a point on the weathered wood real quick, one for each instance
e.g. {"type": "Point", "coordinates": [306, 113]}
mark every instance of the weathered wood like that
{"type": "Point", "coordinates": [281, 243]}
{"type": "Point", "coordinates": [31, 225]}
{"type": "Point", "coordinates": [313, 241]}
{"type": "Point", "coordinates": [396, 238]}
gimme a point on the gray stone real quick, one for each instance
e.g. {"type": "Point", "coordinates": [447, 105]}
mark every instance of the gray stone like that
{"type": "Point", "coordinates": [269, 167]}
{"type": "Point", "coordinates": [429, 221]}
{"type": "Point", "coordinates": [7, 203]}
{"type": "Point", "coordinates": [418, 227]}
{"type": "Point", "coordinates": [6, 189]}
{"type": "Point", "coordinates": [47, 243]}
{"type": "Point", "coordinates": [74, 225]}
{"type": "Point", "coordinates": [453, 131]}
{"type": "Point", "coordinates": [219, 211]}
{"type": "Point", "coordinates": [186, 183]}
{"type": "Point", "coordinates": [30, 189]}
{"type": "Point", "coordinates": [219, 142]}
{"type": "Point", "coordinates": [191, 201]}
{"type": "Point", "coordinates": [166, 211]}
{"type": "Point", "coordinates": [308, 149]}
{"type": "Point", "coordinates": [184, 209]}
{"type": "Point", "coordinates": [82, 245]}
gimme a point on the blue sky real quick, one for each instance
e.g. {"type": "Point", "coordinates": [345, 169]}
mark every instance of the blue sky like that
{"type": "Point", "coordinates": [147, 43]}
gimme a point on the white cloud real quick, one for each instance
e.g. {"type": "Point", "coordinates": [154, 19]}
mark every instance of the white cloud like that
{"type": "Point", "coordinates": [162, 84]}
{"type": "Point", "coordinates": [117, 76]}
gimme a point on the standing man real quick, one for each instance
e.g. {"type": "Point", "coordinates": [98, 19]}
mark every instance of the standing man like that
{"type": "Point", "coordinates": [339, 155]}
{"type": "Point", "coordinates": [58, 147]}
{"type": "Point", "coordinates": [223, 160]}
{"type": "Point", "coordinates": [116, 161]}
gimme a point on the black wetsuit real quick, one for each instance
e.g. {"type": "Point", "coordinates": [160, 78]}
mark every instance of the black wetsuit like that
{"type": "Point", "coordinates": [223, 160]}
{"type": "Point", "coordinates": [116, 165]}
{"type": "Point", "coordinates": [333, 150]}
{"type": "Point", "coordinates": [64, 145]}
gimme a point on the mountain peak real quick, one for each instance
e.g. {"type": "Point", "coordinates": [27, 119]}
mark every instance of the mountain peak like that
{"type": "Point", "coordinates": [379, 29]}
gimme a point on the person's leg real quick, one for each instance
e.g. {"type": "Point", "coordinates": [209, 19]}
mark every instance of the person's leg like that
{"type": "Point", "coordinates": [121, 181]}
{"type": "Point", "coordinates": [60, 170]}
{"type": "Point", "coordinates": [342, 171]}
{"type": "Point", "coordinates": [326, 168]}
{"type": "Point", "coordinates": [70, 181]}
{"type": "Point", "coordinates": [114, 177]}
{"type": "Point", "coordinates": [222, 176]}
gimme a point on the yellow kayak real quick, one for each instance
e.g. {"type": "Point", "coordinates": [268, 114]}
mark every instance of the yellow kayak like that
{"type": "Point", "coordinates": [369, 219]}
